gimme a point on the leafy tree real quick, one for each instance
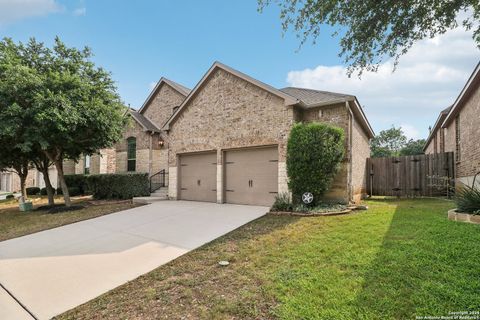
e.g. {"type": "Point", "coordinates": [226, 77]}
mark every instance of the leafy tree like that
{"type": "Point", "coordinates": [314, 154]}
{"type": "Point", "coordinates": [373, 30]}
{"type": "Point", "coordinates": [413, 147]}
{"type": "Point", "coordinates": [12, 159]}
{"type": "Point", "coordinates": [72, 107]}
{"type": "Point", "coordinates": [388, 143]}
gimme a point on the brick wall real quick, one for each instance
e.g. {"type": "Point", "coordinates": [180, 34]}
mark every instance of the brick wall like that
{"type": "Point", "coordinates": [161, 106]}
{"type": "Point", "coordinates": [360, 153]}
{"type": "Point", "coordinates": [469, 117]}
{"type": "Point", "coordinates": [229, 112]}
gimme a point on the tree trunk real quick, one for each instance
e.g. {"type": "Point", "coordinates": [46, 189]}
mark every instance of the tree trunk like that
{"type": "Point", "coordinates": [61, 179]}
{"type": "Point", "coordinates": [48, 186]}
{"type": "Point", "coordinates": [23, 186]}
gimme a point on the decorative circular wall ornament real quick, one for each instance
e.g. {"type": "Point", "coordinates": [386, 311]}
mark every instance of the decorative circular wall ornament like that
{"type": "Point", "coordinates": [307, 197]}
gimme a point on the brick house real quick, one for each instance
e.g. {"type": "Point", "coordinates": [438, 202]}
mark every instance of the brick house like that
{"type": "Point", "coordinates": [456, 130]}
{"type": "Point", "coordinates": [225, 140]}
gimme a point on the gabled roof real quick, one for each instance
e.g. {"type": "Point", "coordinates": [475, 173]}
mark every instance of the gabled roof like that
{"type": "Point", "coordinates": [178, 87]}
{"type": "Point", "coordinates": [310, 98]}
{"type": "Point", "coordinates": [441, 117]}
{"type": "Point", "coordinates": [473, 83]}
{"type": "Point", "coordinates": [315, 98]}
{"type": "Point", "coordinates": [145, 123]}
{"type": "Point", "coordinates": [289, 100]}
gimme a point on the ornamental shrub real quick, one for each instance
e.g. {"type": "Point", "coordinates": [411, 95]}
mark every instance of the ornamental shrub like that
{"type": "Point", "coordinates": [77, 181]}
{"type": "Point", "coordinates": [43, 192]}
{"type": "Point", "coordinates": [118, 185]}
{"type": "Point", "coordinates": [468, 199]}
{"type": "Point", "coordinates": [33, 191]}
{"type": "Point", "coordinates": [314, 154]}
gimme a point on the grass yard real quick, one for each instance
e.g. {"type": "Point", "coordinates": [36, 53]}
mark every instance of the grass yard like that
{"type": "Point", "coordinates": [14, 223]}
{"type": "Point", "coordinates": [398, 260]}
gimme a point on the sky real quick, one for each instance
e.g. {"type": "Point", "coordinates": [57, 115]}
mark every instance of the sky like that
{"type": "Point", "coordinates": [141, 41]}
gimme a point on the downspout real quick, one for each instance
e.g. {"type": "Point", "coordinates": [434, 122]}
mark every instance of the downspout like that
{"type": "Point", "coordinates": [350, 157]}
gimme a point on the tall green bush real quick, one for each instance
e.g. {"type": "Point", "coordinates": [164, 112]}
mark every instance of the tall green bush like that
{"type": "Point", "coordinates": [118, 186]}
{"type": "Point", "coordinates": [314, 154]}
{"type": "Point", "coordinates": [78, 182]}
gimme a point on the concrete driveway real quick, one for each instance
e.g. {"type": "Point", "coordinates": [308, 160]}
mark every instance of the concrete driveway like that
{"type": "Point", "coordinates": [53, 271]}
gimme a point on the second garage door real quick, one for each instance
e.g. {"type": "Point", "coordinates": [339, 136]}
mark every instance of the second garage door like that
{"type": "Point", "coordinates": [198, 177]}
{"type": "Point", "coordinates": [251, 176]}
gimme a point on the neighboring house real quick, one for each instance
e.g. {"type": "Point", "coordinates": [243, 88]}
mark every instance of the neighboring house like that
{"type": "Point", "coordinates": [101, 162]}
{"type": "Point", "coordinates": [457, 130]}
{"type": "Point", "coordinates": [225, 140]}
{"type": "Point", "coordinates": [10, 181]}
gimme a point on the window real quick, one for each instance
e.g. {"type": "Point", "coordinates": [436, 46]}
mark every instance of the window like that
{"type": "Point", "coordinates": [131, 153]}
{"type": "Point", "coordinates": [86, 164]}
{"type": "Point", "coordinates": [457, 138]}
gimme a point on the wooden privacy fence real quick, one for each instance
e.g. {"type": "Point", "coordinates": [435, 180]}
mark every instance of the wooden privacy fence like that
{"type": "Point", "coordinates": [411, 176]}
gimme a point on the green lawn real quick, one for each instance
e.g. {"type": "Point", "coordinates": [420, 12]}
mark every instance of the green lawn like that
{"type": "Point", "coordinates": [14, 223]}
{"type": "Point", "coordinates": [398, 260]}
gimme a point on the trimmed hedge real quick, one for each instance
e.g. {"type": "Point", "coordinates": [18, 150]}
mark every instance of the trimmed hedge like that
{"type": "Point", "coordinates": [77, 181]}
{"type": "Point", "coordinates": [43, 191]}
{"type": "Point", "coordinates": [33, 191]}
{"type": "Point", "coordinates": [118, 186]}
{"type": "Point", "coordinates": [314, 154]}
{"type": "Point", "coordinates": [73, 191]}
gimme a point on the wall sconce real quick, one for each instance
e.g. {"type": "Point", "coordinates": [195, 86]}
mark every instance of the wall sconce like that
{"type": "Point", "coordinates": [161, 143]}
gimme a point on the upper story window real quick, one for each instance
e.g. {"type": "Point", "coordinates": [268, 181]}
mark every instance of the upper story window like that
{"type": "Point", "coordinates": [131, 153]}
{"type": "Point", "coordinates": [457, 138]}
{"type": "Point", "coordinates": [86, 164]}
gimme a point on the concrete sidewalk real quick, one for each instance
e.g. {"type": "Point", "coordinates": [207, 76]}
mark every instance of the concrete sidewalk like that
{"type": "Point", "coordinates": [53, 271]}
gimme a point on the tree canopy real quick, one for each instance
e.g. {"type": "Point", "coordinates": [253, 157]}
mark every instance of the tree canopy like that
{"type": "Point", "coordinates": [63, 105]}
{"type": "Point", "coordinates": [373, 30]}
{"type": "Point", "coordinates": [393, 142]}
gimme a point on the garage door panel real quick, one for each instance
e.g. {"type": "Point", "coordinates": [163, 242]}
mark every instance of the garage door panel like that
{"type": "Point", "coordinates": [198, 177]}
{"type": "Point", "coordinates": [251, 176]}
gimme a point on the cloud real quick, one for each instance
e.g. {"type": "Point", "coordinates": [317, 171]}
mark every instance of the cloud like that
{"type": "Point", "coordinates": [80, 11]}
{"type": "Point", "coordinates": [410, 131]}
{"type": "Point", "coordinates": [14, 10]}
{"type": "Point", "coordinates": [428, 79]}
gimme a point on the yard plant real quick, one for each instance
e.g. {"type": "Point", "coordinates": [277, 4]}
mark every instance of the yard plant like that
{"type": "Point", "coordinates": [314, 154]}
{"type": "Point", "coordinates": [468, 199]}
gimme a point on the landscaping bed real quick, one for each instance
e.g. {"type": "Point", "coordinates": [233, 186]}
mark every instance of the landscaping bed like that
{"type": "Point", "coordinates": [401, 259]}
{"type": "Point", "coordinates": [14, 223]}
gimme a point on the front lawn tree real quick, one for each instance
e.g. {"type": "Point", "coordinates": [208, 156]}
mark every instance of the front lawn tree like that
{"type": "Point", "coordinates": [314, 154]}
{"type": "Point", "coordinates": [75, 109]}
{"type": "Point", "coordinates": [374, 30]}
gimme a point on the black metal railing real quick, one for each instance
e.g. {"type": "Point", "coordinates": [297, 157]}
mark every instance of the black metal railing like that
{"type": "Point", "coordinates": [158, 180]}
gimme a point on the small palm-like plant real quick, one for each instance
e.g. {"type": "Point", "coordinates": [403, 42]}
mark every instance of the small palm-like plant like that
{"type": "Point", "coordinates": [468, 200]}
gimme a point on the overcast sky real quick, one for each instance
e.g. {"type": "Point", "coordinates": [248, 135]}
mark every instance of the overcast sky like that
{"type": "Point", "coordinates": [141, 41]}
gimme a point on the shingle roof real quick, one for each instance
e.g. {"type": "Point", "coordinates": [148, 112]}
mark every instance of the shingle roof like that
{"type": "Point", "coordinates": [313, 98]}
{"type": "Point", "coordinates": [178, 86]}
{"type": "Point", "coordinates": [144, 122]}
